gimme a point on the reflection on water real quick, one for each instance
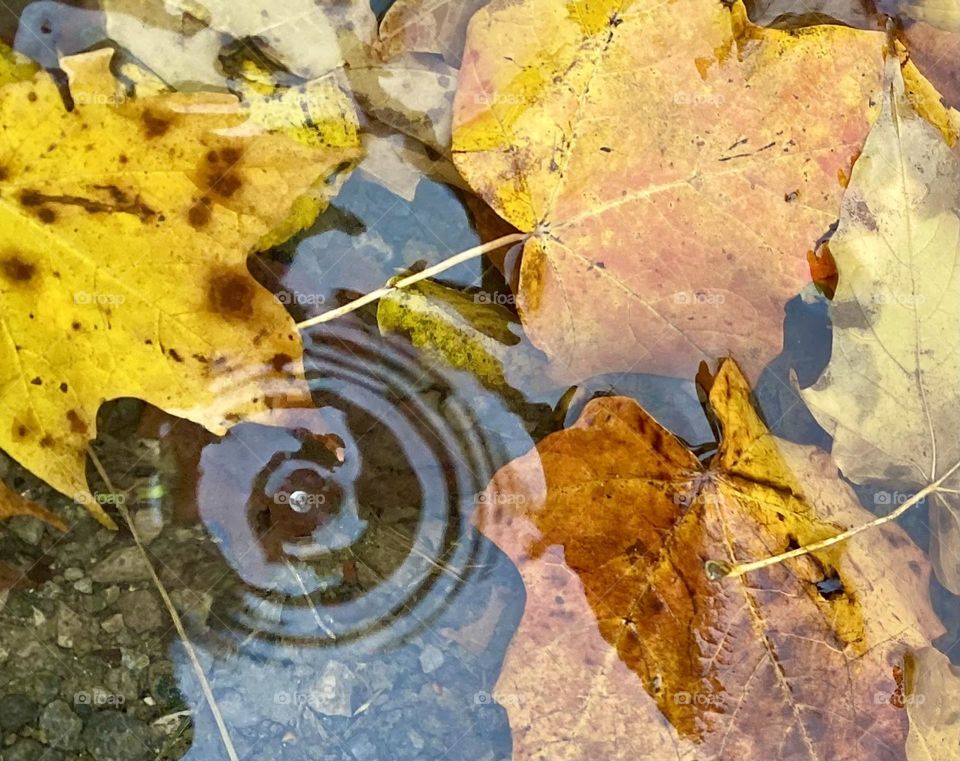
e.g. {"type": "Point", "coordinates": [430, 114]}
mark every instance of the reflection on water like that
{"type": "Point", "coordinates": [348, 528]}
{"type": "Point", "coordinates": [357, 511]}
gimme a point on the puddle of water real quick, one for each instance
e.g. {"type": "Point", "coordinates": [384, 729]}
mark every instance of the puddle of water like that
{"type": "Point", "coordinates": [337, 597]}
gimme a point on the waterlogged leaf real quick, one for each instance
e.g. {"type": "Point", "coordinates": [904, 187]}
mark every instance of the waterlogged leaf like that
{"type": "Point", "coordinates": [932, 699]}
{"type": "Point", "coordinates": [126, 275]}
{"type": "Point", "coordinates": [889, 395]}
{"type": "Point", "coordinates": [647, 148]}
{"type": "Point", "coordinates": [776, 12]}
{"type": "Point", "coordinates": [13, 504]}
{"type": "Point", "coordinates": [413, 95]}
{"type": "Point", "coordinates": [427, 26]}
{"type": "Point", "coordinates": [399, 162]}
{"type": "Point", "coordinates": [627, 651]}
{"type": "Point", "coordinates": [180, 40]}
{"type": "Point", "coordinates": [932, 34]}
{"type": "Point", "coordinates": [470, 332]}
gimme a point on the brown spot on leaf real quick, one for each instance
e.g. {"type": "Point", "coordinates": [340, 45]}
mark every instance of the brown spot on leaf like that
{"type": "Point", "coordinates": [64, 388]}
{"type": "Point", "coordinates": [175, 355]}
{"type": "Point", "coordinates": [280, 361]}
{"type": "Point", "coordinates": [76, 422]}
{"type": "Point", "coordinates": [17, 270]}
{"type": "Point", "coordinates": [227, 185]}
{"type": "Point", "coordinates": [231, 294]}
{"type": "Point", "coordinates": [231, 155]}
{"type": "Point", "coordinates": [199, 214]}
{"type": "Point", "coordinates": [47, 216]}
{"type": "Point", "coordinates": [155, 125]}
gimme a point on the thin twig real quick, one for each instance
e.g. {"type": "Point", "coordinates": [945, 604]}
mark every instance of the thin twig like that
{"type": "Point", "coordinates": [436, 269]}
{"type": "Point", "coordinates": [720, 569]}
{"type": "Point", "coordinates": [177, 623]}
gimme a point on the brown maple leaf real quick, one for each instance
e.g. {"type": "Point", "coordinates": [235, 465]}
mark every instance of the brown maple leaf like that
{"type": "Point", "coordinates": [627, 650]}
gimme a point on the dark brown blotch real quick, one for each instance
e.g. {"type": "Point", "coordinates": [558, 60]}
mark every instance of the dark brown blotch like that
{"type": "Point", "coordinates": [199, 214]}
{"type": "Point", "coordinates": [231, 155]}
{"type": "Point", "coordinates": [280, 361]}
{"type": "Point", "coordinates": [230, 294]}
{"type": "Point", "coordinates": [154, 124]}
{"type": "Point", "coordinates": [76, 422]}
{"type": "Point", "coordinates": [227, 185]}
{"type": "Point", "coordinates": [175, 355]}
{"type": "Point", "coordinates": [64, 388]}
{"type": "Point", "coordinates": [17, 270]}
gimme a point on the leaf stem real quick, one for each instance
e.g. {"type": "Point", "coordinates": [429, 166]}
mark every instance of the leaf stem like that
{"type": "Point", "coordinates": [168, 603]}
{"type": "Point", "coordinates": [453, 261]}
{"type": "Point", "coordinates": [720, 569]}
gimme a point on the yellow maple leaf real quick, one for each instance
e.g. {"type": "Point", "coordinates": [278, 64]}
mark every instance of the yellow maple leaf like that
{"type": "Point", "coordinates": [124, 231]}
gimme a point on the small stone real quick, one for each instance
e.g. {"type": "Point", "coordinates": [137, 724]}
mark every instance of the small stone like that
{"type": "Point", "coordinates": [84, 586]}
{"type": "Point", "coordinates": [134, 661]}
{"type": "Point", "coordinates": [141, 610]}
{"type": "Point", "coordinates": [431, 658]}
{"type": "Point", "coordinates": [73, 574]}
{"type": "Point", "coordinates": [113, 625]}
{"type": "Point", "coordinates": [332, 693]}
{"type": "Point", "coordinates": [30, 750]}
{"type": "Point", "coordinates": [16, 711]}
{"type": "Point", "coordinates": [61, 726]}
{"type": "Point", "coordinates": [114, 736]}
{"type": "Point", "coordinates": [148, 523]}
{"type": "Point", "coordinates": [192, 605]}
{"type": "Point", "coordinates": [30, 530]}
{"type": "Point", "coordinates": [122, 565]}
{"type": "Point", "coordinates": [362, 748]}
{"type": "Point", "coordinates": [72, 632]}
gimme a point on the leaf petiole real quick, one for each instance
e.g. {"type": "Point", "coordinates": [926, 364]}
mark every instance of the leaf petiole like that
{"type": "Point", "coordinates": [720, 569]}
